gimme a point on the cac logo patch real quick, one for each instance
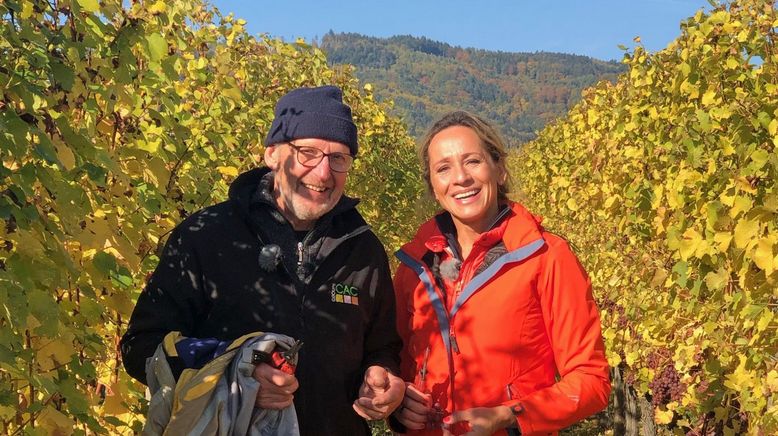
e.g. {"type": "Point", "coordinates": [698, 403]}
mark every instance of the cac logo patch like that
{"type": "Point", "coordinates": [343, 293]}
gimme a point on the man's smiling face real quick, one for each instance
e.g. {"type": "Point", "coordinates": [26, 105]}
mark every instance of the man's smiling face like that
{"type": "Point", "coordinates": [303, 194]}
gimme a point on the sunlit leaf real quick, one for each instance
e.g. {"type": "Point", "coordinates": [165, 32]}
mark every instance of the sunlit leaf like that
{"type": "Point", "coordinates": [89, 5]}
{"type": "Point", "coordinates": [157, 46]}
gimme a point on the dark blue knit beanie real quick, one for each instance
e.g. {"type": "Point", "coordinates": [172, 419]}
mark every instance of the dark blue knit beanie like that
{"type": "Point", "coordinates": [313, 113]}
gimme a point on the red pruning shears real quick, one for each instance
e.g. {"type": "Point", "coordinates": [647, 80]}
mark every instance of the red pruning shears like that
{"type": "Point", "coordinates": [435, 418]}
{"type": "Point", "coordinates": [423, 371]}
{"type": "Point", "coordinates": [281, 360]}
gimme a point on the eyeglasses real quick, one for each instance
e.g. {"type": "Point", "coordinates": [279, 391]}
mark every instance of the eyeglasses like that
{"type": "Point", "coordinates": [310, 157]}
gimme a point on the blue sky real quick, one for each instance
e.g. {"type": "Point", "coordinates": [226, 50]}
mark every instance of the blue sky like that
{"type": "Point", "coordinates": [593, 28]}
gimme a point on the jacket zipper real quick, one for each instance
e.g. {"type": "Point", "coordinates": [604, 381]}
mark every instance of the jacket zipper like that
{"type": "Point", "coordinates": [300, 258]}
{"type": "Point", "coordinates": [301, 252]}
{"type": "Point", "coordinates": [453, 339]}
{"type": "Point", "coordinates": [451, 371]}
{"type": "Point", "coordinates": [301, 255]}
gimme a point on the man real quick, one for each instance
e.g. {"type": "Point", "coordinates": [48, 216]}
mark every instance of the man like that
{"type": "Point", "coordinates": [287, 253]}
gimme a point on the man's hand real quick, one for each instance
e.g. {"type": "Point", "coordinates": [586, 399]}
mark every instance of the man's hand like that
{"type": "Point", "coordinates": [483, 421]}
{"type": "Point", "coordinates": [276, 388]}
{"type": "Point", "coordinates": [380, 393]}
{"type": "Point", "coordinates": [415, 408]}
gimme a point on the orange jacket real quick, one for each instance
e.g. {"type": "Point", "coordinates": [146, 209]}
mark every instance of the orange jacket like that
{"type": "Point", "coordinates": [508, 333]}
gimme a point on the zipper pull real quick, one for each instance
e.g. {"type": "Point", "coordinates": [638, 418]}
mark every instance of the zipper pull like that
{"type": "Point", "coordinates": [453, 339]}
{"type": "Point", "coordinates": [300, 265]}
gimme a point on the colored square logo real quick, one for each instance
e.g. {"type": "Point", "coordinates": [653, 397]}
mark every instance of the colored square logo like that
{"type": "Point", "coordinates": [343, 293]}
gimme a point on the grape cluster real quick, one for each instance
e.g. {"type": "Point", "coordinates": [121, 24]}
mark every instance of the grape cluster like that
{"type": "Point", "coordinates": [666, 386]}
{"type": "Point", "coordinates": [703, 386]}
{"type": "Point", "coordinates": [657, 358]}
{"type": "Point", "coordinates": [623, 321]}
{"type": "Point", "coordinates": [615, 310]}
{"type": "Point", "coordinates": [607, 304]}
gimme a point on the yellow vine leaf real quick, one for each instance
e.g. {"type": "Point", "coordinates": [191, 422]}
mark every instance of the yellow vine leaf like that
{"type": "Point", "coordinates": [229, 171]}
{"type": "Point", "coordinates": [741, 378]}
{"type": "Point", "coordinates": [718, 279]}
{"type": "Point", "coordinates": [772, 380]}
{"type": "Point", "coordinates": [765, 320]}
{"type": "Point", "coordinates": [745, 231]}
{"type": "Point", "coordinates": [572, 204]}
{"type": "Point", "coordinates": [28, 244]}
{"type": "Point", "coordinates": [55, 422]}
{"type": "Point", "coordinates": [732, 63]}
{"type": "Point", "coordinates": [763, 255]}
{"type": "Point", "coordinates": [32, 322]}
{"type": "Point", "coordinates": [114, 401]}
{"type": "Point", "coordinates": [632, 357]}
{"type": "Point", "coordinates": [709, 97]}
{"type": "Point", "coordinates": [158, 172]}
{"type": "Point", "coordinates": [740, 204]}
{"type": "Point", "coordinates": [663, 416]}
{"type": "Point", "coordinates": [723, 239]}
{"type": "Point", "coordinates": [66, 156]}
{"type": "Point", "coordinates": [27, 10]}
{"type": "Point", "coordinates": [744, 185]}
{"type": "Point", "coordinates": [89, 5]}
{"type": "Point", "coordinates": [772, 128]}
{"type": "Point", "coordinates": [157, 7]}
{"type": "Point", "coordinates": [88, 254]}
{"type": "Point", "coordinates": [660, 276]}
{"type": "Point", "coordinates": [233, 93]}
{"type": "Point", "coordinates": [56, 352]}
{"type": "Point", "coordinates": [149, 146]}
{"type": "Point", "coordinates": [689, 243]}
{"type": "Point", "coordinates": [119, 302]}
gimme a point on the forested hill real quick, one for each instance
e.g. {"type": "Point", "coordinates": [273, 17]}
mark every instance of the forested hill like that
{"type": "Point", "coordinates": [521, 92]}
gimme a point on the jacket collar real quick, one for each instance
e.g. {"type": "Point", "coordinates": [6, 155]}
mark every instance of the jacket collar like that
{"type": "Point", "coordinates": [251, 193]}
{"type": "Point", "coordinates": [514, 225]}
{"type": "Point", "coordinates": [448, 232]}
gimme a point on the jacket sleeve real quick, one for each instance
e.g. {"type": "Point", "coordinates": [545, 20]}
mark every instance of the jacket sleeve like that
{"type": "Point", "coordinates": [573, 327]}
{"type": "Point", "coordinates": [403, 280]}
{"type": "Point", "coordinates": [382, 343]}
{"type": "Point", "coordinates": [402, 293]}
{"type": "Point", "coordinates": [171, 301]}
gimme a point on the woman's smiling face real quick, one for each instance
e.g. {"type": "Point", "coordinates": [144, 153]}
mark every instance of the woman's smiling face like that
{"type": "Point", "coordinates": [464, 177]}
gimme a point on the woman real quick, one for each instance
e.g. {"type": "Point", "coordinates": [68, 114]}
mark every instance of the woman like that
{"type": "Point", "coordinates": [501, 334]}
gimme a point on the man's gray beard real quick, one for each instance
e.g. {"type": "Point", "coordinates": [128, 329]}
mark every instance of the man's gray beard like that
{"type": "Point", "coordinates": [304, 213]}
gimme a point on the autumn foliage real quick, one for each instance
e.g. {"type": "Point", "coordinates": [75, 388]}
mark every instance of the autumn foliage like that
{"type": "Point", "coordinates": [666, 184]}
{"type": "Point", "coordinates": [117, 120]}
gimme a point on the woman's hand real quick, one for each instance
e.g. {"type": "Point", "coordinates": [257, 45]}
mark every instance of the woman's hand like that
{"type": "Point", "coordinates": [483, 421]}
{"type": "Point", "coordinates": [414, 410]}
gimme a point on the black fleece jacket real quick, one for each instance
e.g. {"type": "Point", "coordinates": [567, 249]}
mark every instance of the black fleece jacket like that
{"type": "Point", "coordinates": [334, 292]}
